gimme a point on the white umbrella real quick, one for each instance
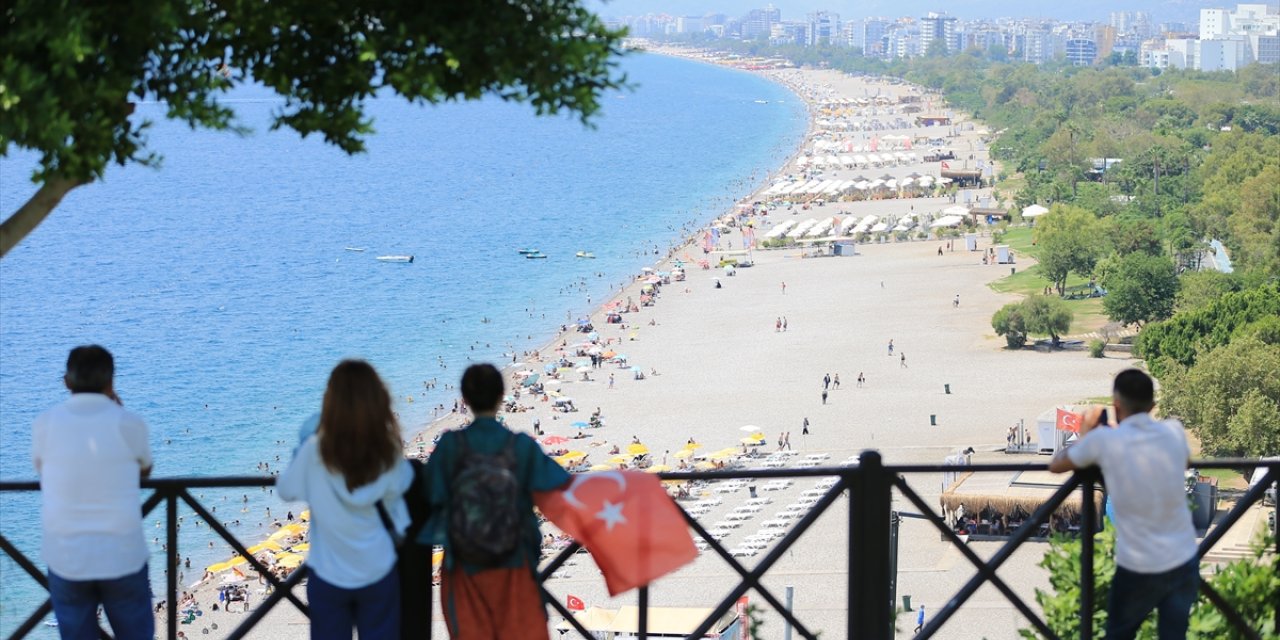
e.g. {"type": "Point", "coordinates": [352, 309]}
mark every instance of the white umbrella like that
{"type": "Point", "coordinates": [1034, 211]}
{"type": "Point", "coordinates": [956, 210]}
{"type": "Point", "coordinates": [583, 369]}
{"type": "Point", "coordinates": [751, 428]}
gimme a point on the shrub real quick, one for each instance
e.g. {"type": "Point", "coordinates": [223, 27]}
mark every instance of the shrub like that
{"type": "Point", "coordinates": [1097, 348]}
{"type": "Point", "coordinates": [1009, 322]}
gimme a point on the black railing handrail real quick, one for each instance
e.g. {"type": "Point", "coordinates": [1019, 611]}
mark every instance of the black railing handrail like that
{"type": "Point", "coordinates": [870, 599]}
{"type": "Point", "coordinates": [224, 482]}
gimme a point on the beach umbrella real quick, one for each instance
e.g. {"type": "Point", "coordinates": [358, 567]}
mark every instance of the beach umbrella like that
{"type": "Point", "coordinates": [603, 467]}
{"type": "Point", "coordinates": [750, 440]}
{"type": "Point", "coordinates": [1034, 211]}
{"type": "Point", "coordinates": [620, 460]}
{"type": "Point", "coordinates": [637, 449]}
{"type": "Point", "coordinates": [684, 454]}
{"type": "Point", "coordinates": [299, 548]}
{"type": "Point", "coordinates": [289, 560]}
{"type": "Point", "coordinates": [574, 455]}
{"type": "Point", "coordinates": [552, 440]}
{"type": "Point", "coordinates": [609, 354]}
{"type": "Point", "coordinates": [724, 453]}
{"type": "Point", "coordinates": [657, 468]}
{"type": "Point", "coordinates": [586, 369]}
{"type": "Point", "coordinates": [750, 428]}
{"type": "Point", "coordinates": [306, 515]}
{"type": "Point", "coordinates": [693, 445]}
{"type": "Point", "coordinates": [223, 566]}
{"type": "Point", "coordinates": [532, 380]}
{"type": "Point", "coordinates": [704, 466]}
{"type": "Point", "coordinates": [269, 545]}
{"type": "Point", "coordinates": [550, 383]}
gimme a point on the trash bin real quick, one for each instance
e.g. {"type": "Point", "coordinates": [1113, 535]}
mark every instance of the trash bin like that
{"type": "Point", "coordinates": [948, 388]}
{"type": "Point", "coordinates": [752, 490]}
{"type": "Point", "coordinates": [933, 420]}
{"type": "Point", "coordinates": [1013, 270]}
{"type": "Point", "coordinates": [906, 603]}
{"type": "Point", "coordinates": [1205, 499]}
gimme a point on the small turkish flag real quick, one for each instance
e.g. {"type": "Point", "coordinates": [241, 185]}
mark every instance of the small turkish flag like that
{"type": "Point", "coordinates": [945, 165]}
{"type": "Point", "coordinates": [574, 603]}
{"type": "Point", "coordinates": [630, 525]}
{"type": "Point", "coordinates": [1068, 421]}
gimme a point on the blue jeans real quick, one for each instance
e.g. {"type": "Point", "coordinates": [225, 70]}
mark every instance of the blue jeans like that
{"type": "Point", "coordinates": [1134, 595]}
{"type": "Point", "coordinates": [126, 600]}
{"type": "Point", "coordinates": [374, 611]}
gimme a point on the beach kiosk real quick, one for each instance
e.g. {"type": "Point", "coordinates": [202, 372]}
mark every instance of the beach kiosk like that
{"type": "Point", "coordinates": [1003, 254]}
{"type": "Point", "coordinates": [970, 242]}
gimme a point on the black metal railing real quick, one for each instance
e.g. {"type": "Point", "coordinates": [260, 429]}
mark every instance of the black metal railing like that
{"type": "Point", "coordinates": [870, 598]}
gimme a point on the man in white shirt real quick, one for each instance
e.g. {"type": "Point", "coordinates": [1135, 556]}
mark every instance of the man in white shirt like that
{"type": "Point", "coordinates": [1143, 464]}
{"type": "Point", "coordinates": [90, 454]}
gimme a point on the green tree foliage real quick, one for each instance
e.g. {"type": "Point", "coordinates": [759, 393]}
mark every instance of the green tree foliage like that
{"type": "Point", "coordinates": [1182, 338]}
{"type": "Point", "coordinates": [1069, 240]}
{"type": "Point", "coordinates": [1251, 585]}
{"type": "Point", "coordinates": [1008, 322]}
{"type": "Point", "coordinates": [1230, 398]}
{"type": "Point", "coordinates": [1140, 288]}
{"type": "Point", "coordinates": [1197, 289]}
{"type": "Point", "coordinates": [70, 72]}
{"type": "Point", "coordinates": [1047, 315]}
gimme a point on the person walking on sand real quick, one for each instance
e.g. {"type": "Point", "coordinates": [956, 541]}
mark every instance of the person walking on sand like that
{"type": "Point", "coordinates": [784, 324]}
{"type": "Point", "coordinates": [777, 324]}
{"type": "Point", "coordinates": [611, 381]}
{"type": "Point", "coordinates": [956, 303]}
{"type": "Point", "coordinates": [784, 288]}
{"type": "Point", "coordinates": [824, 396]}
{"type": "Point", "coordinates": [805, 430]}
{"type": "Point", "coordinates": [920, 620]}
{"type": "Point", "coordinates": [861, 379]}
{"type": "Point", "coordinates": [835, 382]}
{"type": "Point", "coordinates": [826, 382]}
{"type": "Point", "coordinates": [1144, 462]}
{"type": "Point", "coordinates": [786, 439]}
{"type": "Point", "coordinates": [891, 347]}
{"type": "Point", "coordinates": [904, 361]}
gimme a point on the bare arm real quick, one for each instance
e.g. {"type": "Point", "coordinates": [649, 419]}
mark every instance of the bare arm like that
{"type": "Point", "coordinates": [1062, 463]}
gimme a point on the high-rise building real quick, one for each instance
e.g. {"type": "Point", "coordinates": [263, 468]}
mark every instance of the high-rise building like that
{"type": "Point", "coordinates": [939, 26]}
{"type": "Point", "coordinates": [824, 28]}
{"type": "Point", "coordinates": [1081, 52]}
{"type": "Point", "coordinates": [868, 35]}
{"type": "Point", "coordinates": [759, 22]}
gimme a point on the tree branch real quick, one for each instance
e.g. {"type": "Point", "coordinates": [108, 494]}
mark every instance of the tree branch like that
{"type": "Point", "coordinates": [34, 211]}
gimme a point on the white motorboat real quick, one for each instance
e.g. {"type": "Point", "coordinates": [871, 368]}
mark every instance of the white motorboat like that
{"type": "Point", "coordinates": [395, 258]}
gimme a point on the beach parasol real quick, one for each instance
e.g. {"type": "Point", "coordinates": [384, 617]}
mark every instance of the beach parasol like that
{"type": "Point", "coordinates": [574, 455]}
{"type": "Point", "coordinates": [684, 453]}
{"type": "Point", "coordinates": [693, 445]}
{"type": "Point", "coordinates": [223, 566]}
{"type": "Point", "coordinates": [619, 460]}
{"type": "Point", "coordinates": [1034, 211]}
{"type": "Point", "coordinates": [553, 440]}
{"type": "Point", "coordinates": [657, 468]}
{"type": "Point", "coordinates": [704, 466]}
{"type": "Point", "coordinates": [750, 428]}
{"type": "Point", "coordinates": [289, 560]}
{"type": "Point", "coordinates": [751, 440]}
{"type": "Point", "coordinates": [269, 545]}
{"type": "Point", "coordinates": [306, 515]}
{"type": "Point", "coordinates": [586, 369]}
{"type": "Point", "coordinates": [299, 548]}
{"type": "Point", "coordinates": [637, 449]}
{"type": "Point", "coordinates": [580, 425]}
{"type": "Point", "coordinates": [603, 467]}
{"type": "Point", "coordinates": [723, 454]}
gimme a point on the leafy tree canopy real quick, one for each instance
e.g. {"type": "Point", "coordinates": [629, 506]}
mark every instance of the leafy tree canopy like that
{"type": "Point", "coordinates": [1070, 240]}
{"type": "Point", "coordinates": [69, 72]}
{"type": "Point", "coordinates": [1140, 288]}
{"type": "Point", "coordinates": [1181, 339]}
{"type": "Point", "coordinates": [1230, 398]}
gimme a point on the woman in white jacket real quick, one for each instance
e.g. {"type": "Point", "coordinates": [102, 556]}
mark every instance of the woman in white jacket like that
{"type": "Point", "coordinates": [352, 463]}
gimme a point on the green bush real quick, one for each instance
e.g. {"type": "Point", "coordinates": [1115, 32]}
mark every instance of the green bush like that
{"type": "Point", "coordinates": [1184, 337]}
{"type": "Point", "coordinates": [1008, 322]}
{"type": "Point", "coordinates": [1251, 585]}
{"type": "Point", "coordinates": [1097, 348]}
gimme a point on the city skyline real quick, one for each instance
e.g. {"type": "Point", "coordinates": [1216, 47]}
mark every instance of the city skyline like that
{"type": "Point", "coordinates": [1096, 10]}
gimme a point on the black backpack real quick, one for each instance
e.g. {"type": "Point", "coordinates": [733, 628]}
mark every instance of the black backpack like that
{"type": "Point", "coordinates": [484, 508]}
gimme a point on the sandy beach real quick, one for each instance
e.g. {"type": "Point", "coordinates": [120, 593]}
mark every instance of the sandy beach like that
{"type": "Point", "coordinates": [715, 361]}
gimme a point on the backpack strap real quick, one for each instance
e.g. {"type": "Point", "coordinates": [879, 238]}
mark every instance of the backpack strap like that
{"type": "Point", "coordinates": [396, 539]}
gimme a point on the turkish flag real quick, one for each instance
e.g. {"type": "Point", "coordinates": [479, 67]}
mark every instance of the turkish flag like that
{"type": "Point", "coordinates": [1068, 421]}
{"type": "Point", "coordinates": [574, 603]}
{"type": "Point", "coordinates": [945, 165]}
{"type": "Point", "coordinates": [630, 525]}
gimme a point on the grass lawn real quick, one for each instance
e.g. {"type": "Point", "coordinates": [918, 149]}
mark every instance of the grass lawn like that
{"type": "Point", "coordinates": [1227, 478]}
{"type": "Point", "coordinates": [1088, 315]}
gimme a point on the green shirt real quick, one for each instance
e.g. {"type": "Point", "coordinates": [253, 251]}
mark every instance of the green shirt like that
{"type": "Point", "coordinates": [535, 471]}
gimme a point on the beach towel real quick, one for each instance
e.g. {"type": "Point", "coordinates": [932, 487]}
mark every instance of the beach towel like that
{"type": "Point", "coordinates": [632, 528]}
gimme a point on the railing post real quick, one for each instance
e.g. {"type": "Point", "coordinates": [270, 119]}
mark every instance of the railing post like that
{"type": "Point", "coordinates": [643, 626]}
{"type": "Point", "coordinates": [171, 562]}
{"type": "Point", "coordinates": [869, 550]}
{"type": "Point", "coordinates": [1088, 525]}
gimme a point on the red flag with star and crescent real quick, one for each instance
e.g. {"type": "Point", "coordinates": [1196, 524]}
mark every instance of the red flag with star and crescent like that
{"type": "Point", "coordinates": [1068, 421]}
{"type": "Point", "coordinates": [630, 525]}
{"type": "Point", "coordinates": [574, 603]}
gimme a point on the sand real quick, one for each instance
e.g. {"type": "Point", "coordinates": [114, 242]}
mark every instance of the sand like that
{"type": "Point", "coordinates": [721, 364]}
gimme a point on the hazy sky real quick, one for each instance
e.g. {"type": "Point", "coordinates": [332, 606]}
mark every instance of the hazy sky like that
{"type": "Point", "coordinates": [1160, 10]}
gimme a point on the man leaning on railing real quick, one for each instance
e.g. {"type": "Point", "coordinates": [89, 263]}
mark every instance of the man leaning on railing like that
{"type": "Point", "coordinates": [1143, 462]}
{"type": "Point", "coordinates": [91, 455]}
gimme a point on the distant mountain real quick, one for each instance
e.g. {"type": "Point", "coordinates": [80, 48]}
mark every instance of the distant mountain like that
{"type": "Point", "coordinates": [1095, 10]}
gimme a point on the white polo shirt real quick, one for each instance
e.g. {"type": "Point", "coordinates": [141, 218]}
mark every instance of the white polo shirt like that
{"type": "Point", "coordinates": [89, 453]}
{"type": "Point", "coordinates": [1144, 463]}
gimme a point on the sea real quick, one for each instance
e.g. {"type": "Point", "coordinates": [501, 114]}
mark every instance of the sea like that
{"type": "Point", "coordinates": [230, 280]}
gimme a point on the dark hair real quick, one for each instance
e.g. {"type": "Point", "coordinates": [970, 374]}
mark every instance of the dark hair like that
{"type": "Point", "coordinates": [482, 387]}
{"type": "Point", "coordinates": [1135, 390]}
{"type": "Point", "coordinates": [90, 369]}
{"type": "Point", "coordinates": [359, 435]}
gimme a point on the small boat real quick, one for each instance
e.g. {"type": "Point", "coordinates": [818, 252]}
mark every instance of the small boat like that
{"type": "Point", "coordinates": [536, 256]}
{"type": "Point", "coordinates": [357, 249]}
{"type": "Point", "coordinates": [525, 252]}
{"type": "Point", "coordinates": [395, 258]}
{"type": "Point", "coordinates": [584, 254]}
{"type": "Point", "coordinates": [762, 102]}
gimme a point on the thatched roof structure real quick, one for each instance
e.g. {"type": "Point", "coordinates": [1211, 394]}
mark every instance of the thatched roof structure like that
{"type": "Point", "coordinates": [1024, 489]}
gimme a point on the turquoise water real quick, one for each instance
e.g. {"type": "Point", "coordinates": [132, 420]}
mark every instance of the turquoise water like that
{"type": "Point", "coordinates": [222, 284]}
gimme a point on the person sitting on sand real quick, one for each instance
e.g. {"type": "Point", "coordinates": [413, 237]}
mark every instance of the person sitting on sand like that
{"type": "Point", "coordinates": [613, 451]}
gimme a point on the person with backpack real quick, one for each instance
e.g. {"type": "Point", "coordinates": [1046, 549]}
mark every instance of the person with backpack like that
{"type": "Point", "coordinates": [353, 475]}
{"type": "Point", "coordinates": [479, 484]}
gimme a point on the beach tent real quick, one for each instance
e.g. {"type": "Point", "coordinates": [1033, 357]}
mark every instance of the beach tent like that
{"type": "Point", "coordinates": [947, 221]}
{"type": "Point", "coordinates": [956, 210]}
